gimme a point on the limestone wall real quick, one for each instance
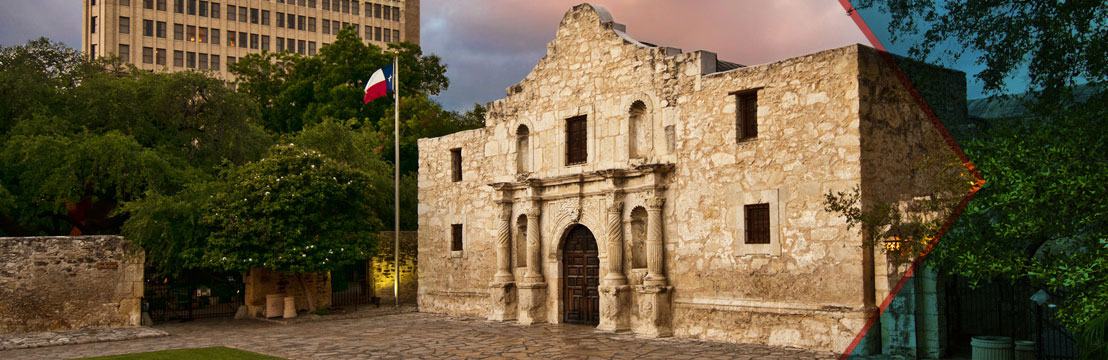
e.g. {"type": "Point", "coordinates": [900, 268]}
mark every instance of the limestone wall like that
{"type": "Point", "coordinates": [64, 283]}
{"type": "Point", "coordinates": [381, 268]}
{"type": "Point", "coordinates": [260, 282]}
{"type": "Point", "coordinates": [804, 289]}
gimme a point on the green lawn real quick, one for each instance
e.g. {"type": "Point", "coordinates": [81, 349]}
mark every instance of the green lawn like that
{"type": "Point", "coordinates": [209, 353]}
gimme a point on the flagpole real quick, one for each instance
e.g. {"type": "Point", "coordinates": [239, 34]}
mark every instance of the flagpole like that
{"type": "Point", "coordinates": [396, 186]}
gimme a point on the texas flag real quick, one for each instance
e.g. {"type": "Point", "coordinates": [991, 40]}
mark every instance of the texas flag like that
{"type": "Point", "coordinates": [379, 84]}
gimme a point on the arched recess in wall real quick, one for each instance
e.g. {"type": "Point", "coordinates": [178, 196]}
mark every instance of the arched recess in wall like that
{"type": "Point", "coordinates": [639, 123]}
{"type": "Point", "coordinates": [638, 238]}
{"type": "Point", "coordinates": [521, 241]}
{"type": "Point", "coordinates": [523, 149]}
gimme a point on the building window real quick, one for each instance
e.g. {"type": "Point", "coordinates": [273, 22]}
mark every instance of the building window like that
{"type": "Point", "coordinates": [203, 61]}
{"type": "Point", "coordinates": [577, 151]}
{"type": "Point", "coordinates": [311, 24]}
{"type": "Point", "coordinates": [92, 25]}
{"type": "Point", "coordinates": [746, 111]}
{"type": "Point", "coordinates": [280, 44]}
{"type": "Point", "coordinates": [178, 32]}
{"type": "Point", "coordinates": [327, 26]}
{"type": "Point", "coordinates": [125, 53]}
{"type": "Point", "coordinates": [215, 10]}
{"type": "Point", "coordinates": [388, 35]}
{"type": "Point", "coordinates": [92, 52]}
{"type": "Point", "coordinates": [192, 7]}
{"type": "Point", "coordinates": [265, 42]}
{"type": "Point", "coordinates": [242, 14]}
{"type": "Point", "coordinates": [161, 5]}
{"type": "Point", "coordinates": [301, 47]}
{"type": "Point", "coordinates": [456, 164]}
{"type": "Point", "coordinates": [203, 35]}
{"type": "Point", "coordinates": [326, 4]}
{"type": "Point", "coordinates": [254, 16]}
{"type": "Point", "coordinates": [757, 223]}
{"type": "Point", "coordinates": [125, 2]}
{"type": "Point", "coordinates": [215, 62]}
{"type": "Point", "coordinates": [147, 55]}
{"type": "Point", "coordinates": [354, 7]}
{"type": "Point", "coordinates": [124, 25]}
{"type": "Point", "coordinates": [377, 11]}
{"type": "Point", "coordinates": [148, 4]}
{"type": "Point", "coordinates": [396, 35]}
{"type": "Point", "coordinates": [455, 237]}
{"type": "Point", "coordinates": [161, 29]}
{"type": "Point", "coordinates": [215, 37]}
{"type": "Point", "coordinates": [311, 48]}
{"type": "Point", "coordinates": [204, 8]}
{"type": "Point", "coordinates": [178, 58]}
{"type": "Point", "coordinates": [190, 34]}
{"type": "Point", "coordinates": [232, 13]}
{"type": "Point", "coordinates": [179, 6]}
{"type": "Point", "coordinates": [160, 57]}
{"type": "Point", "coordinates": [377, 34]}
{"type": "Point", "coordinates": [190, 60]}
{"type": "Point", "coordinates": [244, 42]}
{"type": "Point", "coordinates": [148, 28]}
{"type": "Point", "coordinates": [231, 39]}
{"type": "Point", "coordinates": [300, 22]}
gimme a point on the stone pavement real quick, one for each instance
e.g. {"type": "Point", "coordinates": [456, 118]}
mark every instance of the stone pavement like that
{"type": "Point", "coordinates": [416, 335]}
{"type": "Point", "coordinates": [56, 338]}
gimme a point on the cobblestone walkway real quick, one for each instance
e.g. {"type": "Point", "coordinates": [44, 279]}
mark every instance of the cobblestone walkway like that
{"type": "Point", "coordinates": [415, 335]}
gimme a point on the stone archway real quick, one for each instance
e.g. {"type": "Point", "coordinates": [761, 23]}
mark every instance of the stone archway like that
{"type": "Point", "coordinates": [581, 277]}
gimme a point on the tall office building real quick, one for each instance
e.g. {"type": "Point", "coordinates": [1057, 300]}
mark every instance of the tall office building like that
{"type": "Point", "coordinates": [209, 35]}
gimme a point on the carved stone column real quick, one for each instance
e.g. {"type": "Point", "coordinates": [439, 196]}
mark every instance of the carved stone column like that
{"type": "Point", "coordinates": [615, 295]}
{"type": "Point", "coordinates": [502, 289]}
{"type": "Point", "coordinates": [655, 310]}
{"type": "Point", "coordinates": [534, 246]}
{"type": "Point", "coordinates": [532, 293]}
{"type": "Point", "coordinates": [655, 246]}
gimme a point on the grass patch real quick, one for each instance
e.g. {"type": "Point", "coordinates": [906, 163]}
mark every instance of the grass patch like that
{"type": "Point", "coordinates": [209, 353]}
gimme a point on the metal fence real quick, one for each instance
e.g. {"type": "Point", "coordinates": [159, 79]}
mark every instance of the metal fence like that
{"type": "Point", "coordinates": [1001, 308]}
{"type": "Point", "coordinates": [351, 287]}
{"type": "Point", "coordinates": [196, 295]}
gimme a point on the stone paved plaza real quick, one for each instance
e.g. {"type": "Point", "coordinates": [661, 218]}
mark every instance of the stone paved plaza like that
{"type": "Point", "coordinates": [417, 335]}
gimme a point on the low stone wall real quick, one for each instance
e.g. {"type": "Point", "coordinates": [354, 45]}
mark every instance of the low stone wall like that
{"type": "Point", "coordinates": [65, 283]}
{"type": "Point", "coordinates": [381, 267]}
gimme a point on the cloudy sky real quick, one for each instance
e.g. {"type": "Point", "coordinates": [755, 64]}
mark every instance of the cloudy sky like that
{"type": "Point", "coordinates": [490, 44]}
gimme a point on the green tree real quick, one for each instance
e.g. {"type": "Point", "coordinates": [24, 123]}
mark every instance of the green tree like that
{"type": "Point", "coordinates": [294, 211]}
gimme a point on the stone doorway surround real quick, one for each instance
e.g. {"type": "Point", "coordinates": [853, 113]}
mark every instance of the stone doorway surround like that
{"type": "Point", "coordinates": [595, 200]}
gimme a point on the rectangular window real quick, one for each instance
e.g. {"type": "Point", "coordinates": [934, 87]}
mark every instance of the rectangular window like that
{"type": "Point", "coordinates": [291, 45]}
{"type": "Point", "coordinates": [377, 34]}
{"type": "Point", "coordinates": [311, 24]}
{"type": "Point", "coordinates": [203, 35]}
{"type": "Point", "coordinates": [254, 16]}
{"type": "Point", "coordinates": [388, 35]}
{"type": "Point", "coordinates": [456, 164]}
{"type": "Point", "coordinates": [232, 13]}
{"type": "Point", "coordinates": [179, 6]}
{"type": "Point", "coordinates": [368, 9]}
{"type": "Point", "coordinates": [148, 28]}
{"type": "Point", "coordinates": [203, 8]}
{"type": "Point", "coordinates": [215, 10]}
{"type": "Point", "coordinates": [161, 5]}
{"type": "Point", "coordinates": [92, 25]}
{"type": "Point", "coordinates": [291, 21]}
{"type": "Point", "coordinates": [455, 237]}
{"type": "Point", "coordinates": [757, 223]}
{"type": "Point", "coordinates": [190, 60]}
{"type": "Point", "coordinates": [311, 4]}
{"type": "Point", "coordinates": [92, 52]}
{"type": "Point", "coordinates": [125, 2]}
{"type": "Point", "coordinates": [280, 19]}
{"type": "Point", "coordinates": [147, 55]}
{"type": "Point", "coordinates": [280, 44]}
{"type": "Point", "coordinates": [377, 11]}
{"type": "Point", "coordinates": [178, 58]}
{"type": "Point", "coordinates": [326, 26]}
{"type": "Point", "coordinates": [178, 32]}
{"type": "Point", "coordinates": [577, 140]}
{"type": "Point", "coordinates": [231, 60]}
{"type": "Point", "coordinates": [242, 14]}
{"type": "Point", "coordinates": [395, 13]}
{"type": "Point", "coordinates": [326, 4]}
{"type": "Point", "coordinates": [311, 48]}
{"type": "Point", "coordinates": [396, 35]}
{"type": "Point", "coordinates": [203, 61]}
{"type": "Point", "coordinates": [231, 39]}
{"type": "Point", "coordinates": [161, 29]}
{"type": "Point", "coordinates": [300, 22]}
{"type": "Point", "coordinates": [255, 43]}
{"type": "Point", "coordinates": [346, 6]}
{"type": "Point", "coordinates": [354, 7]}
{"type": "Point", "coordinates": [148, 4]}
{"type": "Point", "coordinates": [388, 12]}
{"type": "Point", "coordinates": [244, 42]}
{"type": "Point", "coordinates": [125, 53]}
{"type": "Point", "coordinates": [190, 34]}
{"type": "Point", "coordinates": [301, 46]}
{"type": "Point", "coordinates": [124, 25]}
{"type": "Point", "coordinates": [214, 36]}
{"type": "Point", "coordinates": [746, 122]}
{"type": "Point", "coordinates": [335, 27]}
{"type": "Point", "coordinates": [160, 58]}
{"type": "Point", "coordinates": [265, 42]}
{"type": "Point", "coordinates": [215, 63]}
{"type": "Point", "coordinates": [192, 7]}
{"type": "Point", "coordinates": [368, 32]}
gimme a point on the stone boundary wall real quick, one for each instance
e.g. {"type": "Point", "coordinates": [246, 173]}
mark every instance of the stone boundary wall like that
{"type": "Point", "coordinates": [381, 267]}
{"type": "Point", "coordinates": [65, 283]}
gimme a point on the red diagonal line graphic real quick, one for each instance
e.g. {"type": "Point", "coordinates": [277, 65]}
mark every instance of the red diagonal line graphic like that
{"type": "Point", "coordinates": [930, 114]}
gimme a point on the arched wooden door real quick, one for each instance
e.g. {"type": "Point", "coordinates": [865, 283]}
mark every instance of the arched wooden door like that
{"type": "Point", "coordinates": [581, 271]}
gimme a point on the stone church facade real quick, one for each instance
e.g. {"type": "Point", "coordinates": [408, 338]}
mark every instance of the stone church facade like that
{"type": "Point", "coordinates": [640, 188]}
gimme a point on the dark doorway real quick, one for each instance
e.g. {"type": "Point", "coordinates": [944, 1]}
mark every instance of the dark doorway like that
{"type": "Point", "coordinates": [581, 269]}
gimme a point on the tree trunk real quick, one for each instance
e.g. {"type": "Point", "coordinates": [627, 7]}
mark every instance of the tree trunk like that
{"type": "Point", "coordinates": [308, 294]}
